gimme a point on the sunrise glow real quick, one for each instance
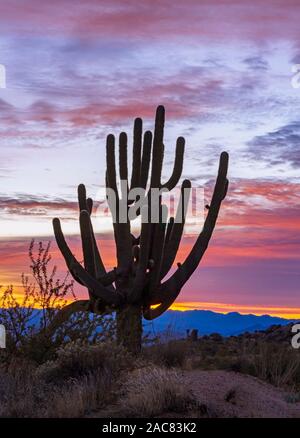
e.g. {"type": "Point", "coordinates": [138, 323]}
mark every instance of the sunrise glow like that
{"type": "Point", "coordinates": [75, 74]}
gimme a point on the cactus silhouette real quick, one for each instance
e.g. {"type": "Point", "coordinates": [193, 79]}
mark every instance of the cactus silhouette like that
{"type": "Point", "coordinates": [135, 287]}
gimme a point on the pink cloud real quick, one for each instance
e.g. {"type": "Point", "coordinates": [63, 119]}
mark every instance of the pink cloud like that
{"type": "Point", "coordinates": [259, 20]}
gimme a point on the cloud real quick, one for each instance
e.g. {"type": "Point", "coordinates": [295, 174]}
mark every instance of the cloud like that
{"type": "Point", "coordinates": [281, 146]}
{"type": "Point", "coordinates": [186, 93]}
{"type": "Point", "coordinates": [256, 63]}
{"type": "Point", "coordinates": [78, 70]}
{"type": "Point", "coordinates": [29, 205]}
{"type": "Point", "coordinates": [149, 20]}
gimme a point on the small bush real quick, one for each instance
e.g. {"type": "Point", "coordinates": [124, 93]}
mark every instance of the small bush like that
{"type": "Point", "coordinates": [31, 329]}
{"type": "Point", "coordinates": [152, 391]}
{"type": "Point", "coordinates": [80, 396]}
{"type": "Point", "coordinates": [22, 394]}
{"type": "Point", "coordinates": [216, 337]}
{"type": "Point", "coordinates": [78, 359]}
{"type": "Point", "coordinates": [82, 378]}
{"type": "Point", "coordinates": [294, 397]}
{"type": "Point", "coordinates": [278, 365]}
{"type": "Point", "coordinates": [170, 354]}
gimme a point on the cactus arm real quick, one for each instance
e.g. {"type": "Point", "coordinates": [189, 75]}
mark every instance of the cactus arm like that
{"type": "Point", "coordinates": [156, 255]}
{"type": "Point", "coordinates": [109, 278]}
{"type": "Point", "coordinates": [226, 188]}
{"type": "Point", "coordinates": [158, 147]}
{"type": "Point", "coordinates": [100, 270]}
{"type": "Point", "coordinates": [157, 247]}
{"type": "Point", "coordinates": [178, 164]}
{"type": "Point", "coordinates": [66, 312]}
{"type": "Point", "coordinates": [123, 244]}
{"type": "Point", "coordinates": [89, 205]}
{"type": "Point", "coordinates": [92, 258]}
{"type": "Point", "coordinates": [99, 291]}
{"type": "Point", "coordinates": [169, 290]}
{"type": "Point", "coordinates": [121, 230]}
{"type": "Point", "coordinates": [150, 313]}
{"type": "Point", "coordinates": [111, 164]}
{"type": "Point", "coordinates": [123, 166]}
{"type": "Point", "coordinates": [173, 241]}
{"type": "Point", "coordinates": [78, 272]}
{"type": "Point", "coordinates": [145, 163]}
{"type": "Point", "coordinates": [141, 272]}
{"type": "Point", "coordinates": [146, 156]}
{"type": "Point", "coordinates": [64, 249]}
{"type": "Point", "coordinates": [169, 229]}
{"type": "Point", "coordinates": [82, 201]}
{"type": "Point", "coordinates": [87, 243]}
{"type": "Point", "coordinates": [136, 157]}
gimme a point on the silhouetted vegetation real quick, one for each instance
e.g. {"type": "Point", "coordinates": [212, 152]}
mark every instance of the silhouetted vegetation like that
{"type": "Point", "coordinates": [136, 286]}
{"type": "Point", "coordinates": [28, 317]}
{"type": "Point", "coordinates": [78, 369]}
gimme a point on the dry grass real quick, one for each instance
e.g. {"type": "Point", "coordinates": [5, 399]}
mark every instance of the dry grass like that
{"type": "Point", "coordinates": [152, 391]}
{"type": "Point", "coordinates": [279, 366]}
{"type": "Point", "coordinates": [80, 397]}
{"type": "Point", "coordinates": [170, 354]}
{"type": "Point", "coordinates": [84, 378]}
{"type": "Point", "coordinates": [274, 362]}
{"type": "Point", "coordinates": [81, 379]}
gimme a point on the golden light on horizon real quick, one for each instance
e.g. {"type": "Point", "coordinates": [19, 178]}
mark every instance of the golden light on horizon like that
{"type": "Point", "coordinates": [282, 312]}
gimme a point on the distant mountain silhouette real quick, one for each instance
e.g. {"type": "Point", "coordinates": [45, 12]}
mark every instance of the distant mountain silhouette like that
{"type": "Point", "coordinates": [177, 322]}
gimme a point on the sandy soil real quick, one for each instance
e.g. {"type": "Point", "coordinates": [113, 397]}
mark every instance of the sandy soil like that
{"type": "Point", "coordinates": [229, 394]}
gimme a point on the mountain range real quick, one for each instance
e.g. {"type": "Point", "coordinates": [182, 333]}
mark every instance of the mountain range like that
{"type": "Point", "coordinates": [175, 323]}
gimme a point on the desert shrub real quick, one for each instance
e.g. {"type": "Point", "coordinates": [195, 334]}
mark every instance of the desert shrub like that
{"type": "Point", "coordinates": [80, 396]}
{"type": "Point", "coordinates": [194, 362]}
{"type": "Point", "coordinates": [79, 358]}
{"type": "Point", "coordinates": [28, 322]}
{"type": "Point", "coordinates": [279, 365]}
{"type": "Point", "coordinates": [29, 396]}
{"type": "Point", "coordinates": [22, 394]}
{"type": "Point", "coordinates": [170, 354]}
{"type": "Point", "coordinates": [238, 363]}
{"type": "Point", "coordinates": [152, 391]}
{"type": "Point", "coordinates": [293, 397]}
{"type": "Point", "coordinates": [216, 337]}
{"type": "Point", "coordinates": [274, 362]}
{"type": "Point", "coordinates": [82, 378]}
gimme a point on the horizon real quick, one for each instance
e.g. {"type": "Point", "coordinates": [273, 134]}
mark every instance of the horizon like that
{"type": "Point", "coordinates": [220, 308]}
{"type": "Point", "coordinates": [82, 74]}
{"type": "Point", "coordinates": [185, 307]}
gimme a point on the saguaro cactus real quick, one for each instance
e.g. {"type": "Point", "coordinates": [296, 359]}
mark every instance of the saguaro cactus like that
{"type": "Point", "coordinates": [135, 288]}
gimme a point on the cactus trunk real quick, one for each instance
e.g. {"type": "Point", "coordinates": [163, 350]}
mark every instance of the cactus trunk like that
{"type": "Point", "coordinates": [129, 327]}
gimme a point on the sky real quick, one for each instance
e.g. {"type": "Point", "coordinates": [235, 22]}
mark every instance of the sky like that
{"type": "Point", "coordinates": [77, 71]}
